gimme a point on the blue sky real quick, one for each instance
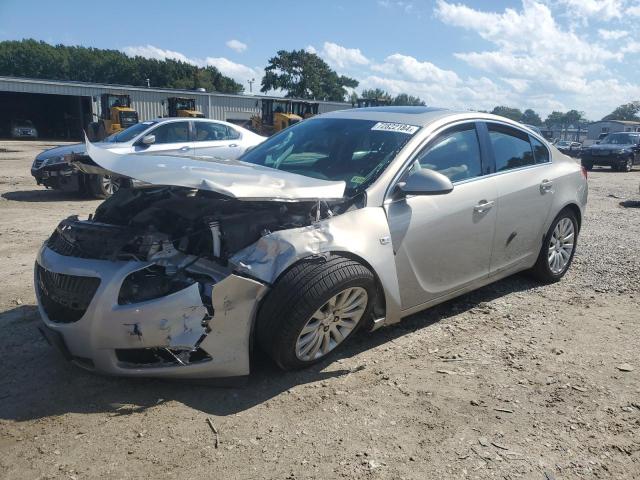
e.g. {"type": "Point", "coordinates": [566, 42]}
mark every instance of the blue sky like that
{"type": "Point", "coordinates": [540, 54]}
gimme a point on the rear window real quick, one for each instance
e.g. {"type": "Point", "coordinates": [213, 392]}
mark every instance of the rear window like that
{"type": "Point", "coordinates": [511, 147]}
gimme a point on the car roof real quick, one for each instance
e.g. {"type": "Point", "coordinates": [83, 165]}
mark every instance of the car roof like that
{"type": "Point", "coordinates": [419, 116]}
{"type": "Point", "coordinates": [407, 115]}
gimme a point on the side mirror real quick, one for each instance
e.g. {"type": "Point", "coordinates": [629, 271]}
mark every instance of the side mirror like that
{"type": "Point", "coordinates": [149, 139]}
{"type": "Point", "coordinates": [426, 182]}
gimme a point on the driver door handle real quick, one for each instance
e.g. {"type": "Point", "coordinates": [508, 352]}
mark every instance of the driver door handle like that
{"type": "Point", "coordinates": [483, 206]}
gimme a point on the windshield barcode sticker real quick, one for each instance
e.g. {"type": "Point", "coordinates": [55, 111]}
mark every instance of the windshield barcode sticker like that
{"type": "Point", "coordinates": [396, 127]}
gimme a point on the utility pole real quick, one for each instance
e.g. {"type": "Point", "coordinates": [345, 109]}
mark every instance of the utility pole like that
{"type": "Point", "coordinates": [250, 82]}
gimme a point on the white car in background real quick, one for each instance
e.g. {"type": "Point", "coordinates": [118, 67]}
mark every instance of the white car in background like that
{"type": "Point", "coordinates": [193, 137]}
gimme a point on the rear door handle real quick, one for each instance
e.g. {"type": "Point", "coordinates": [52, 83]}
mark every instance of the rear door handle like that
{"type": "Point", "coordinates": [233, 145]}
{"type": "Point", "coordinates": [546, 186]}
{"type": "Point", "coordinates": [185, 149]}
{"type": "Point", "coordinates": [483, 206]}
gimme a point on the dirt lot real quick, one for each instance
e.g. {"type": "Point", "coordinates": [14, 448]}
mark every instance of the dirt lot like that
{"type": "Point", "coordinates": [515, 380]}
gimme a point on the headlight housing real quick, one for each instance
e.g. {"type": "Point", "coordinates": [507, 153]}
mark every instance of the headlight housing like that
{"type": "Point", "coordinates": [53, 161]}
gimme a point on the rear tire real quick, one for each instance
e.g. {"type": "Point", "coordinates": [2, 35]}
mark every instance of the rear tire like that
{"type": "Point", "coordinates": [627, 166]}
{"type": "Point", "coordinates": [101, 133]}
{"type": "Point", "coordinates": [555, 257]}
{"type": "Point", "coordinates": [314, 308]}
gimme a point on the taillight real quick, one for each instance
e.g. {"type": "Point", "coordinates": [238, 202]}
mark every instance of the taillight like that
{"type": "Point", "coordinates": [584, 172]}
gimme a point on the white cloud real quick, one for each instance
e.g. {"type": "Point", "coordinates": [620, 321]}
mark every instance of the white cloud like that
{"type": "Point", "coordinates": [149, 51]}
{"type": "Point", "coordinates": [404, 66]}
{"type": "Point", "coordinates": [612, 34]}
{"type": "Point", "coordinates": [239, 72]}
{"type": "Point", "coordinates": [633, 11]}
{"type": "Point", "coordinates": [597, 9]}
{"type": "Point", "coordinates": [236, 45]}
{"type": "Point", "coordinates": [342, 57]}
{"type": "Point", "coordinates": [310, 49]}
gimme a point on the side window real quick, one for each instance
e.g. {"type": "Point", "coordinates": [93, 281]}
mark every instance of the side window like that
{"type": "Point", "coordinates": [172, 132]}
{"type": "Point", "coordinates": [454, 153]}
{"type": "Point", "coordinates": [233, 134]}
{"type": "Point", "coordinates": [209, 131]}
{"type": "Point", "coordinates": [511, 147]}
{"type": "Point", "coordinates": [540, 152]}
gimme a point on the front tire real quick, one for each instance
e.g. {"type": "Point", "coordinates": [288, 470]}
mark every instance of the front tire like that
{"type": "Point", "coordinates": [627, 166]}
{"type": "Point", "coordinates": [588, 165]}
{"type": "Point", "coordinates": [314, 308]}
{"type": "Point", "coordinates": [558, 248]}
{"type": "Point", "coordinates": [103, 186]}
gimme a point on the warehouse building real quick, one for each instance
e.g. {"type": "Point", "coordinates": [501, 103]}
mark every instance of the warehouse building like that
{"type": "Point", "coordinates": [63, 109]}
{"type": "Point", "coordinates": [596, 130]}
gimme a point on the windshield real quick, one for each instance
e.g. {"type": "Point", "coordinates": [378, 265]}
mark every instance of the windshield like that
{"type": "Point", "coordinates": [621, 139]}
{"type": "Point", "coordinates": [130, 133]}
{"type": "Point", "coordinates": [355, 151]}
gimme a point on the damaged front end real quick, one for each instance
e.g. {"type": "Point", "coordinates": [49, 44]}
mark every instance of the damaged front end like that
{"type": "Point", "coordinates": [148, 286]}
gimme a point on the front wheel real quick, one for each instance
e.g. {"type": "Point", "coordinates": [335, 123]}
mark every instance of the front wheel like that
{"type": "Point", "coordinates": [558, 248]}
{"type": "Point", "coordinates": [313, 309]}
{"type": "Point", "coordinates": [103, 186]}
{"type": "Point", "coordinates": [627, 165]}
{"type": "Point", "coordinates": [587, 165]}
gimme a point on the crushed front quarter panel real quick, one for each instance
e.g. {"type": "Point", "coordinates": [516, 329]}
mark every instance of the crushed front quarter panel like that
{"type": "Point", "coordinates": [363, 233]}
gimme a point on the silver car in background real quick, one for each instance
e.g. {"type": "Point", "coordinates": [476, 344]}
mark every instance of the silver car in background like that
{"type": "Point", "coordinates": [172, 136]}
{"type": "Point", "coordinates": [355, 218]}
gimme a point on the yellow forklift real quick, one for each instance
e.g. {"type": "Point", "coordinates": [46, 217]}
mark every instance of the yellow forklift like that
{"type": "Point", "coordinates": [116, 114]}
{"type": "Point", "coordinates": [278, 114]}
{"type": "Point", "coordinates": [183, 107]}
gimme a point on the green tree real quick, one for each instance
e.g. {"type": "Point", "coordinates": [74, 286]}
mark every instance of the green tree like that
{"type": "Point", "coordinates": [530, 117]}
{"type": "Point", "coordinates": [508, 112]}
{"type": "Point", "coordinates": [30, 58]}
{"type": "Point", "coordinates": [302, 74]}
{"type": "Point", "coordinates": [555, 118]}
{"type": "Point", "coordinates": [404, 99]}
{"type": "Point", "coordinates": [628, 111]}
{"type": "Point", "coordinates": [376, 94]}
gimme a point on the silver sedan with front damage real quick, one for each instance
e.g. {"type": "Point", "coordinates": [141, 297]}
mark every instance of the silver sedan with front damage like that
{"type": "Point", "coordinates": [352, 219]}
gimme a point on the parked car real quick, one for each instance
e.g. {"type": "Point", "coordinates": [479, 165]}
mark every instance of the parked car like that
{"type": "Point", "coordinates": [620, 151]}
{"type": "Point", "coordinates": [569, 148]}
{"type": "Point", "coordinates": [23, 129]}
{"type": "Point", "coordinates": [352, 219]}
{"type": "Point", "coordinates": [193, 137]}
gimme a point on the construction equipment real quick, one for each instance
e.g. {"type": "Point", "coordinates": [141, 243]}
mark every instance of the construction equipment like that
{"type": "Point", "coordinates": [278, 114]}
{"type": "Point", "coordinates": [116, 114]}
{"type": "Point", "coordinates": [183, 107]}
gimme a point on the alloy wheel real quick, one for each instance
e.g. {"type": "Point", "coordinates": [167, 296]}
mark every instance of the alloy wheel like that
{"type": "Point", "coordinates": [110, 185]}
{"type": "Point", "coordinates": [331, 323]}
{"type": "Point", "coordinates": [561, 246]}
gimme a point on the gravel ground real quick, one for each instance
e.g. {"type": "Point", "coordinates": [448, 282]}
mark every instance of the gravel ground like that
{"type": "Point", "coordinates": [515, 380]}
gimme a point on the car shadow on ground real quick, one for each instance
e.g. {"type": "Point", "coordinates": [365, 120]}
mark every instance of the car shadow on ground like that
{"type": "Point", "coordinates": [39, 196]}
{"type": "Point", "coordinates": [36, 382]}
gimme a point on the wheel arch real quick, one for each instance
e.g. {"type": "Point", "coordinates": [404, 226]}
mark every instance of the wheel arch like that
{"type": "Point", "coordinates": [380, 305]}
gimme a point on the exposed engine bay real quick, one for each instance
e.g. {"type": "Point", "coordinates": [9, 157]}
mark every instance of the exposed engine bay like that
{"type": "Point", "coordinates": [188, 235]}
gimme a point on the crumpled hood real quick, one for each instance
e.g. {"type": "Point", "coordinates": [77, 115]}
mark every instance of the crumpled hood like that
{"type": "Point", "coordinates": [235, 179]}
{"type": "Point", "coordinates": [61, 151]}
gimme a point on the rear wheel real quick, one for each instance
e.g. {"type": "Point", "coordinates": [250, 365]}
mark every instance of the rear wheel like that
{"type": "Point", "coordinates": [313, 309]}
{"type": "Point", "coordinates": [558, 248]}
{"type": "Point", "coordinates": [101, 132]}
{"type": "Point", "coordinates": [627, 165]}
